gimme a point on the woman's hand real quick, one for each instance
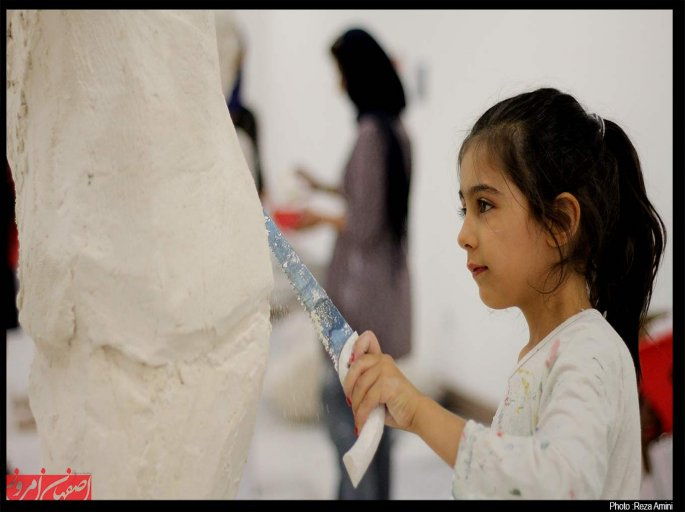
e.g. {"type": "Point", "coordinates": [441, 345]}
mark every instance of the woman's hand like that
{"type": "Point", "coordinates": [374, 379]}
{"type": "Point", "coordinates": [308, 178]}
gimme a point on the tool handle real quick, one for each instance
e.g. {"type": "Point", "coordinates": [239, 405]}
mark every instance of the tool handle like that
{"type": "Point", "coordinates": [358, 458]}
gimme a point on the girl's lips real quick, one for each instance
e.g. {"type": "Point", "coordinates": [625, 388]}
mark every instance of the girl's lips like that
{"type": "Point", "coordinates": [475, 271]}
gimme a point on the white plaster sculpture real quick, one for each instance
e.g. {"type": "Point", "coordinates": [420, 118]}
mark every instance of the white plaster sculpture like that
{"type": "Point", "coordinates": [144, 265]}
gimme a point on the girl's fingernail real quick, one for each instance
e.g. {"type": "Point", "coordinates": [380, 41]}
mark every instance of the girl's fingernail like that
{"type": "Point", "coordinates": [352, 358]}
{"type": "Point", "coordinates": [356, 431]}
{"type": "Point", "coordinates": [349, 402]}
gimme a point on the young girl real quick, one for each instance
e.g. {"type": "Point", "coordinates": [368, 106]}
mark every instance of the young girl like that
{"type": "Point", "coordinates": [558, 224]}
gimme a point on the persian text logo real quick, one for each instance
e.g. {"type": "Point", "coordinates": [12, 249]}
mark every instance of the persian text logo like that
{"type": "Point", "coordinates": [48, 487]}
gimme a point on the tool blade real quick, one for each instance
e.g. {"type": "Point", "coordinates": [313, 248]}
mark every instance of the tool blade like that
{"type": "Point", "coordinates": [331, 326]}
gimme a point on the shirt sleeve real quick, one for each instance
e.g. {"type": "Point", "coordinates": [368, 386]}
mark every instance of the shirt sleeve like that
{"type": "Point", "coordinates": [366, 189]}
{"type": "Point", "coordinates": [566, 457]}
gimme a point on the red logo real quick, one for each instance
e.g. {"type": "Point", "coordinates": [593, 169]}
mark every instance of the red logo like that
{"type": "Point", "coordinates": [48, 487]}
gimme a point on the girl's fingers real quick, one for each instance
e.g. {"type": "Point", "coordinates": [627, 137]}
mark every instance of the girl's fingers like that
{"type": "Point", "coordinates": [365, 382]}
{"type": "Point", "coordinates": [364, 370]}
{"type": "Point", "coordinates": [390, 421]}
{"type": "Point", "coordinates": [367, 343]}
{"type": "Point", "coordinates": [370, 401]}
{"type": "Point", "coordinates": [358, 368]}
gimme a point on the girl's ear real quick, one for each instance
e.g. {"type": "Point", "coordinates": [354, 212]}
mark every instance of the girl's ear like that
{"type": "Point", "coordinates": [567, 213]}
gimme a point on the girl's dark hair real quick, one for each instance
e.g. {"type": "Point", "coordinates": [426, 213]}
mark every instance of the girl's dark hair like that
{"type": "Point", "coordinates": [548, 144]}
{"type": "Point", "coordinates": [375, 88]}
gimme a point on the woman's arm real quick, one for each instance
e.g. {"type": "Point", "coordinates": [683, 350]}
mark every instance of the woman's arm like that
{"type": "Point", "coordinates": [311, 218]}
{"type": "Point", "coordinates": [316, 184]}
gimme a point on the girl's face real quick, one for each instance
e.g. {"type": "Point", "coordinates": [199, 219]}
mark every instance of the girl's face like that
{"type": "Point", "coordinates": [508, 253]}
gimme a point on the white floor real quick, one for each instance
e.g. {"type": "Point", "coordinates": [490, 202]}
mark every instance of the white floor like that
{"type": "Point", "coordinates": [289, 458]}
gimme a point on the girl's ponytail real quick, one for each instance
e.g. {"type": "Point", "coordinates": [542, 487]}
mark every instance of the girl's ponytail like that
{"type": "Point", "coordinates": [624, 270]}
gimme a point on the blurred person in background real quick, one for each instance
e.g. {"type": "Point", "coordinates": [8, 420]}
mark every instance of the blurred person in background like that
{"type": "Point", "coordinates": [245, 121]}
{"type": "Point", "coordinates": [11, 255]}
{"type": "Point", "coordinates": [368, 278]}
{"type": "Point", "coordinates": [231, 48]}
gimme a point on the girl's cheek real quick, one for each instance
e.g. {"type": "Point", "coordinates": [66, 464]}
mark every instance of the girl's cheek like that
{"type": "Point", "coordinates": [493, 222]}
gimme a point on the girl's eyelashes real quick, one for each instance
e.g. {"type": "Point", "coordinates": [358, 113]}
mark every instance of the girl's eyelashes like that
{"type": "Point", "coordinates": [483, 207]}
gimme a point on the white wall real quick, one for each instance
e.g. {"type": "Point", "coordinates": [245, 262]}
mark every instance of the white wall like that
{"type": "Point", "coordinates": [616, 63]}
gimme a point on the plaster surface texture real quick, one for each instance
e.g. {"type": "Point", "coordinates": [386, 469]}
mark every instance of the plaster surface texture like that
{"type": "Point", "coordinates": [144, 265]}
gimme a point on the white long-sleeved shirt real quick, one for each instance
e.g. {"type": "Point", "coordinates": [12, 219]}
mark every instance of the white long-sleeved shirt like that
{"type": "Point", "coordinates": [568, 426]}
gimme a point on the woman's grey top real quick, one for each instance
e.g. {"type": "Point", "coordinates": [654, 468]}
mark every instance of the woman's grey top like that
{"type": "Point", "coordinates": [368, 279]}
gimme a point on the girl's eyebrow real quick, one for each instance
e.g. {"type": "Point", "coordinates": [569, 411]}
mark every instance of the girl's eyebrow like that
{"type": "Point", "coordinates": [480, 187]}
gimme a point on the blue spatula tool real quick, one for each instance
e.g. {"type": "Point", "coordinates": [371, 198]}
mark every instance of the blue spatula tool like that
{"type": "Point", "coordinates": [337, 337]}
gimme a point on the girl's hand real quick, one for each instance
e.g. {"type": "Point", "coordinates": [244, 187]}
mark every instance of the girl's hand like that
{"type": "Point", "coordinates": [374, 379]}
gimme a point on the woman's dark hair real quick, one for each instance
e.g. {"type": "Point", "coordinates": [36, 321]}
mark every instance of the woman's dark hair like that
{"type": "Point", "coordinates": [548, 144]}
{"type": "Point", "coordinates": [375, 89]}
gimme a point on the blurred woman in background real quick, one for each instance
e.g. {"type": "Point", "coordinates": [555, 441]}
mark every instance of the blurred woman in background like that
{"type": "Point", "coordinates": [368, 278]}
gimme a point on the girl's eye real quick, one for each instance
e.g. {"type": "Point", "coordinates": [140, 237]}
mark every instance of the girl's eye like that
{"type": "Point", "coordinates": [483, 206]}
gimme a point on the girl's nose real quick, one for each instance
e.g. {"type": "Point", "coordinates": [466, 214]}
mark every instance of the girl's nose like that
{"type": "Point", "coordinates": [466, 238]}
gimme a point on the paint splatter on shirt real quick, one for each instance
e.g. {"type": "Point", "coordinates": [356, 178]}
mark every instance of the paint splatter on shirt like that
{"type": "Point", "coordinates": [568, 426]}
